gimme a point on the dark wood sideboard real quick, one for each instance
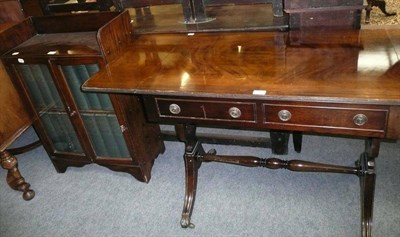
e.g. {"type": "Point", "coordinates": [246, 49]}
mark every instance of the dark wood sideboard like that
{"type": "Point", "coordinates": [277, 81]}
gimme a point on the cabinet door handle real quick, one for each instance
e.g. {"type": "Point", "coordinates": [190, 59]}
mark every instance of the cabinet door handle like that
{"type": "Point", "coordinates": [360, 119]}
{"type": "Point", "coordinates": [235, 112]}
{"type": "Point", "coordinates": [174, 109]}
{"type": "Point", "coordinates": [71, 113]}
{"type": "Point", "coordinates": [284, 115]}
{"type": "Point", "coordinates": [123, 128]}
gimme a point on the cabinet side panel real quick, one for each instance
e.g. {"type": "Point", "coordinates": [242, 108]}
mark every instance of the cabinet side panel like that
{"type": "Point", "coordinates": [15, 35]}
{"type": "Point", "coordinates": [143, 138]}
{"type": "Point", "coordinates": [81, 22]}
{"type": "Point", "coordinates": [115, 36]}
{"type": "Point", "coordinates": [11, 11]}
{"type": "Point", "coordinates": [14, 116]}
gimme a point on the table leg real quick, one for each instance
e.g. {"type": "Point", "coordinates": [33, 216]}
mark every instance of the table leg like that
{"type": "Point", "coordinates": [193, 150]}
{"type": "Point", "coordinates": [367, 184]}
{"type": "Point", "coordinates": [279, 142]}
{"type": "Point", "coordinates": [297, 141]}
{"type": "Point", "coordinates": [14, 177]}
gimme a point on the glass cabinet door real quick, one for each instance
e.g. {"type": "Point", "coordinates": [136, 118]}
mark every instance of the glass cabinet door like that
{"type": "Point", "coordinates": [96, 111]}
{"type": "Point", "coordinates": [47, 102]}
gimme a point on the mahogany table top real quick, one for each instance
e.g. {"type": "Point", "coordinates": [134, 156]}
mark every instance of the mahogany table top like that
{"type": "Point", "coordinates": [339, 66]}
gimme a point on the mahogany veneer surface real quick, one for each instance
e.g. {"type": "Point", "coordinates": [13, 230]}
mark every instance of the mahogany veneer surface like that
{"type": "Point", "coordinates": [339, 66]}
{"type": "Point", "coordinates": [326, 79]}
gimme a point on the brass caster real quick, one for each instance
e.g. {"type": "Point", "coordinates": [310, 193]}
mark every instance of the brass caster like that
{"type": "Point", "coordinates": [212, 152]}
{"type": "Point", "coordinates": [185, 223]}
{"type": "Point", "coordinates": [28, 195]}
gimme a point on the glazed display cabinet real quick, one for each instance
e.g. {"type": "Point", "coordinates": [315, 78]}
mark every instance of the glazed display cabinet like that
{"type": "Point", "coordinates": [58, 54]}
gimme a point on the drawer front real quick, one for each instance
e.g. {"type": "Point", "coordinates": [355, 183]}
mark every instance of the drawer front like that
{"type": "Point", "coordinates": [371, 121]}
{"type": "Point", "coordinates": [244, 112]}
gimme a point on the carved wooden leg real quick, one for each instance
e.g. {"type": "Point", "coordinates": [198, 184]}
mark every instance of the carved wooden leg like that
{"type": "Point", "coordinates": [368, 11]}
{"type": "Point", "coordinates": [193, 150]}
{"type": "Point", "coordinates": [14, 177]}
{"type": "Point", "coordinates": [367, 185]}
{"type": "Point", "coordinates": [381, 4]}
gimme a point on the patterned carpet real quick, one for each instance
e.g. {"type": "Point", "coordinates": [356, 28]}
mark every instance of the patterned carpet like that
{"type": "Point", "coordinates": [378, 18]}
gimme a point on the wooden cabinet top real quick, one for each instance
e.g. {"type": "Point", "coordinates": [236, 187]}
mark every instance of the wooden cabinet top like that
{"type": "Point", "coordinates": [360, 66]}
{"type": "Point", "coordinates": [73, 35]}
{"type": "Point", "coordinates": [58, 44]}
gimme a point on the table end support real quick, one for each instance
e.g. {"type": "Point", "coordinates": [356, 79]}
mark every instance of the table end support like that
{"type": "Point", "coordinates": [367, 177]}
{"type": "Point", "coordinates": [193, 151]}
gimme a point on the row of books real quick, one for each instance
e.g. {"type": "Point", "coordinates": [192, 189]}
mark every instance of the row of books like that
{"type": "Point", "coordinates": [62, 134]}
{"type": "Point", "coordinates": [40, 84]}
{"type": "Point", "coordinates": [96, 110]}
{"type": "Point", "coordinates": [105, 134]}
{"type": "Point", "coordinates": [44, 93]}
{"type": "Point", "coordinates": [103, 130]}
{"type": "Point", "coordinates": [75, 76]}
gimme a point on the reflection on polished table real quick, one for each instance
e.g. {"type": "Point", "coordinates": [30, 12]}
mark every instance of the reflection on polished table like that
{"type": "Point", "coordinates": [341, 82]}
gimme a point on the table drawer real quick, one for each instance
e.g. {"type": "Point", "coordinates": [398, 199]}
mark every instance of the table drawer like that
{"type": "Point", "coordinates": [372, 121]}
{"type": "Point", "coordinates": [206, 110]}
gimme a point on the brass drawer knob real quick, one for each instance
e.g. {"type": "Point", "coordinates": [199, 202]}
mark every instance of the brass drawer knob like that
{"type": "Point", "coordinates": [284, 115]}
{"type": "Point", "coordinates": [235, 112]}
{"type": "Point", "coordinates": [174, 109]}
{"type": "Point", "coordinates": [360, 119]}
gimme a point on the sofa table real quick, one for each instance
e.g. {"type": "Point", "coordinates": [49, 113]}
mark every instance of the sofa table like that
{"type": "Point", "coordinates": [295, 81]}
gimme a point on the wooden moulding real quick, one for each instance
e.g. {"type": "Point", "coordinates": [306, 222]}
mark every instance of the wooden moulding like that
{"type": "Point", "coordinates": [328, 13]}
{"type": "Point", "coordinates": [335, 17]}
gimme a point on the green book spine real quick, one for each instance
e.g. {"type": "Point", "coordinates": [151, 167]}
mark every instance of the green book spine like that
{"type": "Point", "coordinates": [95, 135]}
{"type": "Point", "coordinates": [74, 84]}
